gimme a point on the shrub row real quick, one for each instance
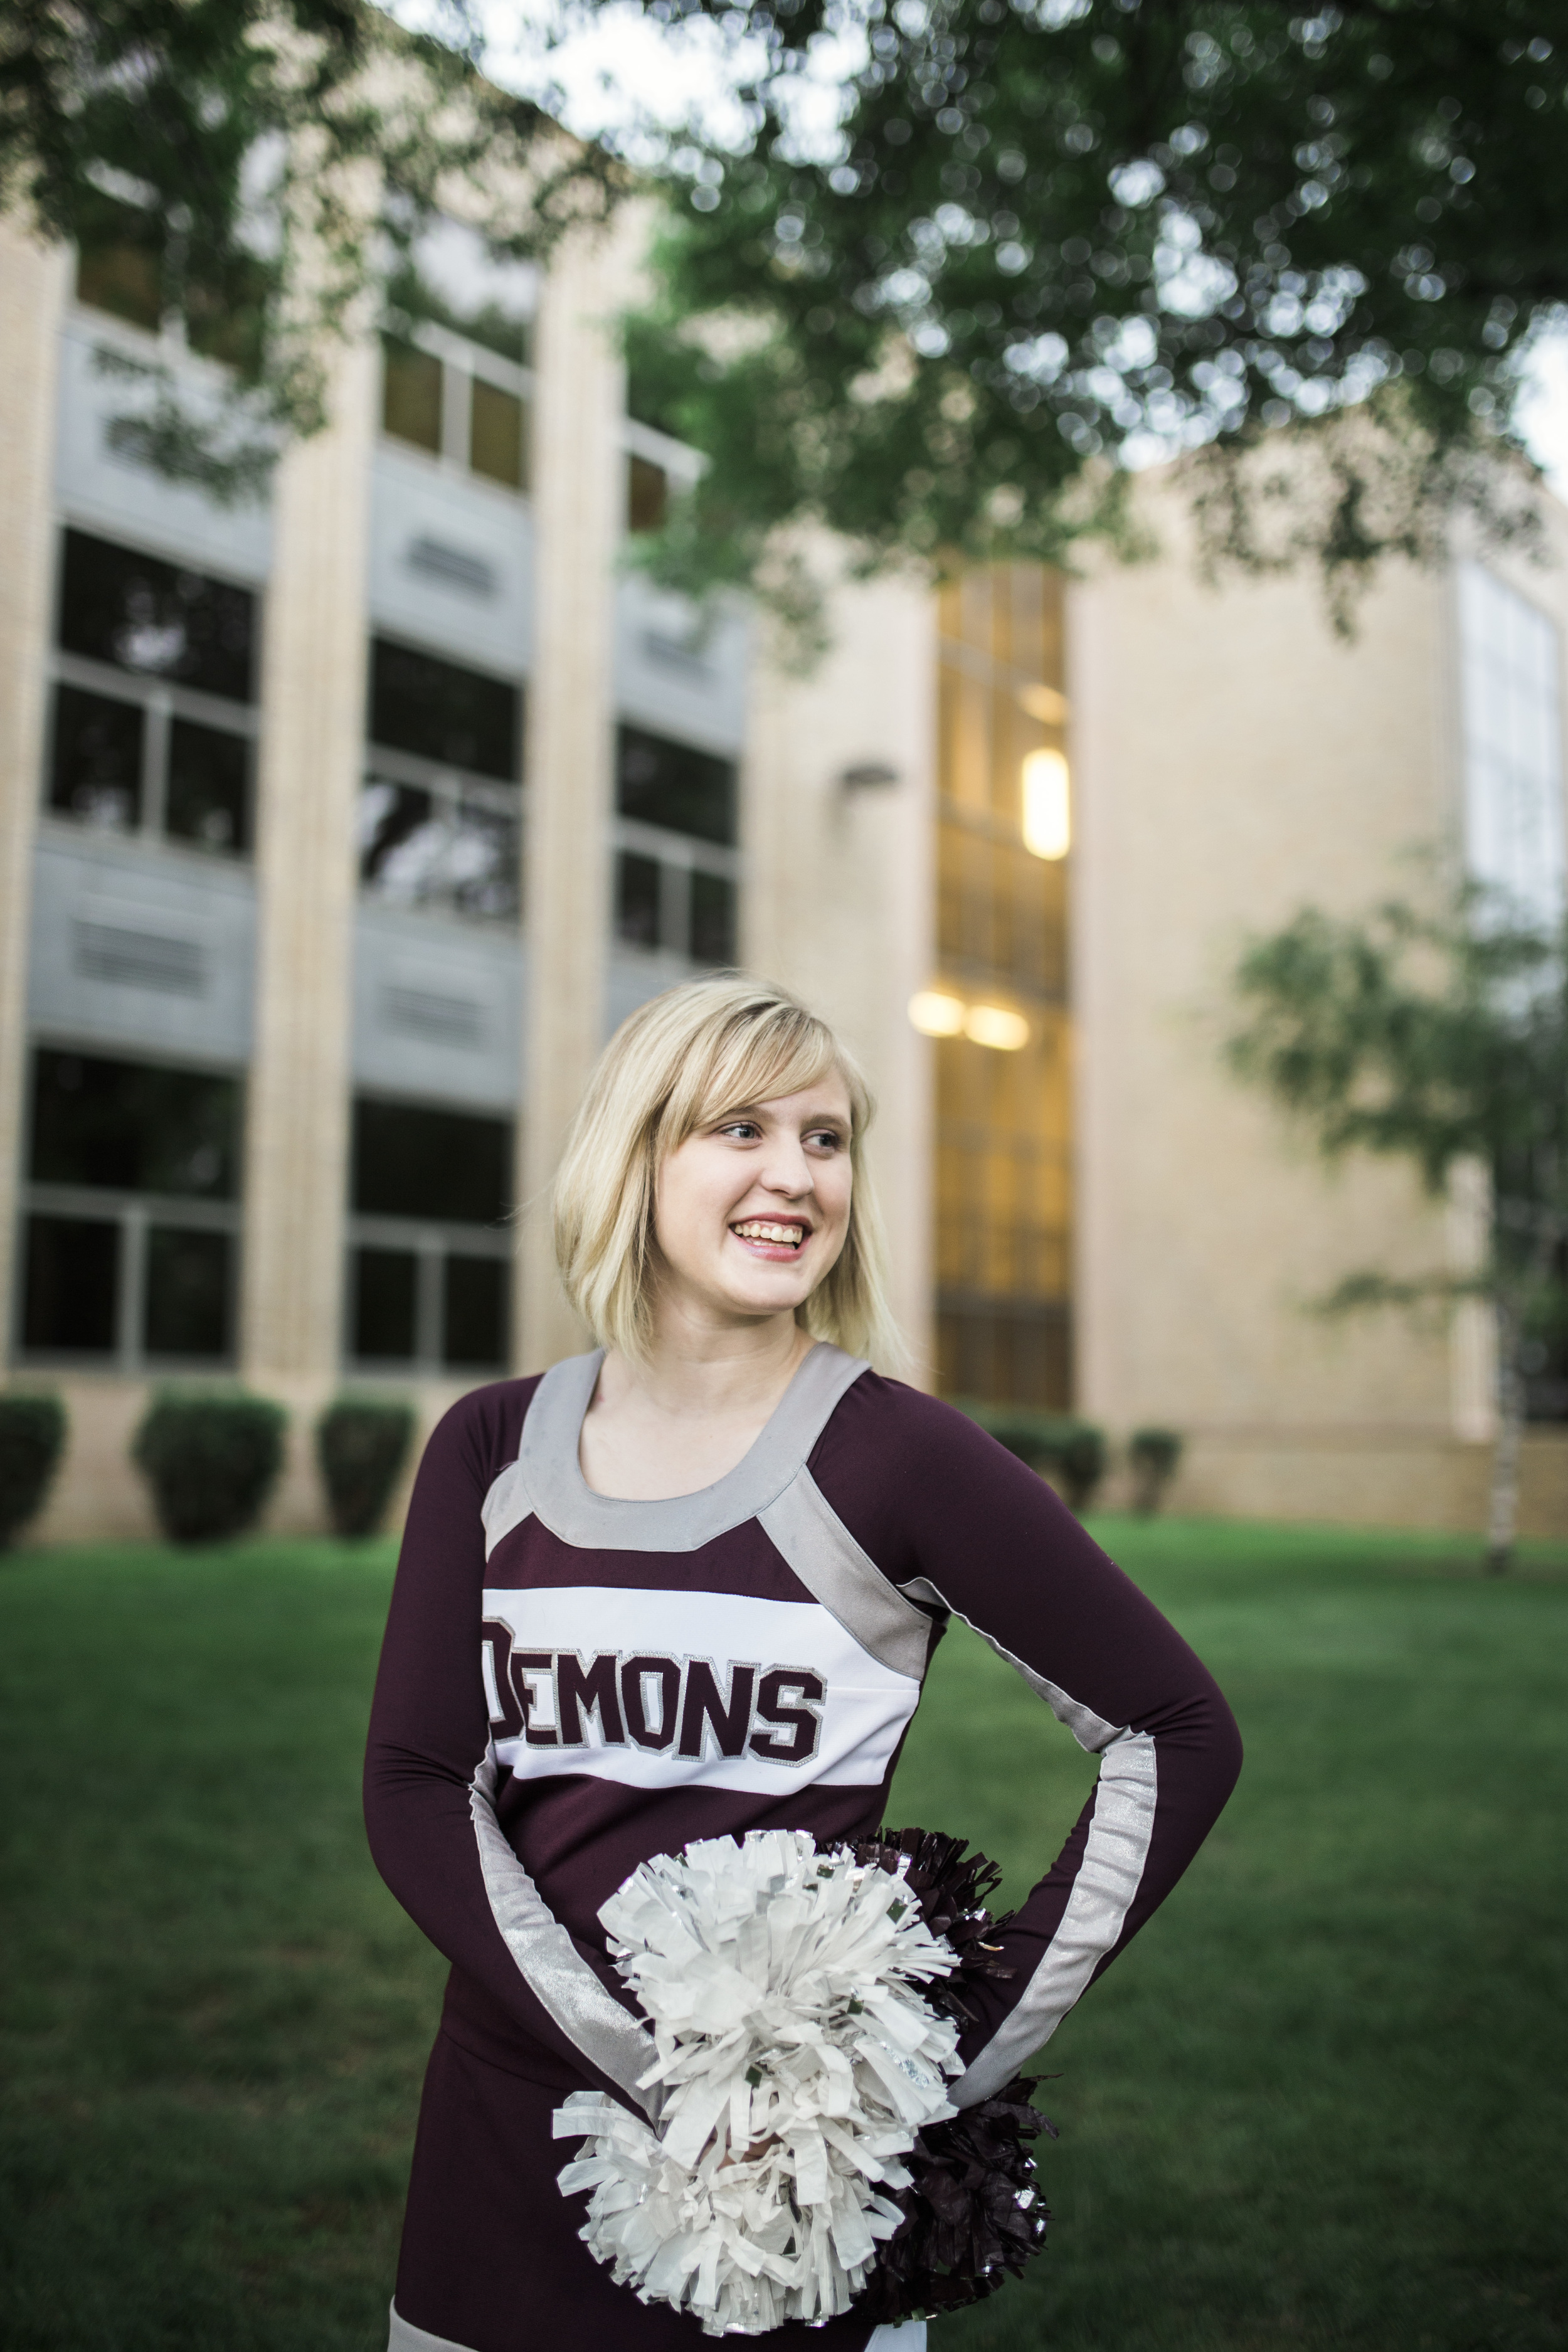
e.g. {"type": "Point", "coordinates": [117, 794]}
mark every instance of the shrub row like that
{"type": "Point", "coordinates": [211, 1458]}
{"type": "Point", "coordinates": [1075, 1454]}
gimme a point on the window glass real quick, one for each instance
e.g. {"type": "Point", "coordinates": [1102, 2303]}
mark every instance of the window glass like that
{"type": "Point", "coordinates": [118, 263]}
{"type": "Point", "coordinates": [443, 712]}
{"type": "Point", "coordinates": [386, 1288]}
{"type": "Point", "coordinates": [647, 495]}
{"type": "Point", "coordinates": [419, 848]}
{"type": "Point", "coordinates": [142, 614]}
{"type": "Point", "coordinates": [208, 795]}
{"type": "Point", "coordinates": [636, 899]}
{"type": "Point", "coordinates": [189, 1291]}
{"type": "Point", "coordinates": [713, 918]}
{"type": "Point", "coordinates": [411, 395]}
{"type": "Point", "coordinates": [95, 760]}
{"type": "Point", "coordinates": [495, 434]}
{"type": "Point", "coordinates": [1514, 744]}
{"type": "Point", "coordinates": [663, 783]}
{"type": "Point", "coordinates": [70, 1284]}
{"type": "Point", "coordinates": [449, 1166]}
{"type": "Point", "coordinates": [134, 1128]}
{"type": "Point", "coordinates": [475, 1303]}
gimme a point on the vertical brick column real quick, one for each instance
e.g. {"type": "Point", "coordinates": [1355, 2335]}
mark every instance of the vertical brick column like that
{"type": "Point", "coordinates": [312, 723]}
{"type": "Point", "coordinates": [578, 503]}
{"type": "Point", "coordinates": [33, 279]}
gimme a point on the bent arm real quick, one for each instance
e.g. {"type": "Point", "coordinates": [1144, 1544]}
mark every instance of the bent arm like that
{"type": "Point", "coordinates": [430, 1782]}
{"type": "Point", "coordinates": [984, 1539]}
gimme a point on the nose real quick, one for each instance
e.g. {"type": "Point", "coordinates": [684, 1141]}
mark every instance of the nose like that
{"type": "Point", "coordinates": [788, 1171]}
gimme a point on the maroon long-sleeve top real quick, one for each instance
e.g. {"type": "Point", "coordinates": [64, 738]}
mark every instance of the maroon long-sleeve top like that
{"type": "Point", "coordinates": [571, 1683]}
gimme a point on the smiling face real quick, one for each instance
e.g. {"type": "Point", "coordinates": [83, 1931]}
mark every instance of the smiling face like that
{"type": "Point", "coordinates": [753, 1210]}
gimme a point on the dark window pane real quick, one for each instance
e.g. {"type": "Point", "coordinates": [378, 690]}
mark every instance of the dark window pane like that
{"type": "Point", "coordinates": [476, 1315]}
{"type": "Point", "coordinates": [647, 495]}
{"type": "Point", "coordinates": [118, 261]}
{"type": "Point", "coordinates": [384, 1285]}
{"type": "Point", "coordinates": [712, 918]}
{"type": "Point", "coordinates": [71, 1285]}
{"type": "Point", "coordinates": [209, 798]}
{"type": "Point", "coordinates": [95, 760]}
{"type": "Point", "coordinates": [446, 1165]}
{"type": "Point", "coordinates": [661, 782]}
{"type": "Point", "coordinates": [145, 614]}
{"type": "Point", "coordinates": [443, 712]}
{"type": "Point", "coordinates": [495, 434]}
{"type": "Point", "coordinates": [422, 848]}
{"type": "Point", "coordinates": [134, 1126]}
{"type": "Point", "coordinates": [636, 899]}
{"type": "Point", "coordinates": [188, 1293]}
{"type": "Point", "coordinates": [411, 395]}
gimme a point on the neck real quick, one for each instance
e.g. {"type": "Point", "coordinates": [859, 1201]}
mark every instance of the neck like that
{"type": "Point", "coordinates": [698, 1367]}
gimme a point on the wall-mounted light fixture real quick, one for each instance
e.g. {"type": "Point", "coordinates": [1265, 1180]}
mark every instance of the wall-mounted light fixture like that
{"type": "Point", "coordinates": [935, 1014]}
{"type": "Point", "coordinates": [1047, 804]}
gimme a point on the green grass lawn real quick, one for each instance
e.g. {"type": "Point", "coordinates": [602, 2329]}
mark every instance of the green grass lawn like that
{"type": "Point", "coordinates": [1318, 2104]}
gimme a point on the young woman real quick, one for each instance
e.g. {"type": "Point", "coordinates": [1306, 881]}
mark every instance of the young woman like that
{"type": "Point", "coordinates": [688, 1586]}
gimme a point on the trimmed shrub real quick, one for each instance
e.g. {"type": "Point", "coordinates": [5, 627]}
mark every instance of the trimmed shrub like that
{"type": "Point", "coordinates": [1070, 1452]}
{"type": "Point", "coordinates": [211, 1460]}
{"type": "Point", "coordinates": [362, 1443]}
{"type": "Point", "coordinates": [32, 1436]}
{"type": "Point", "coordinates": [1154, 1455]}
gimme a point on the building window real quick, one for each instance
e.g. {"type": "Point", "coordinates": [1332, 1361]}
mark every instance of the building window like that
{"type": "Point", "coordinates": [647, 494]}
{"type": "Point", "coordinates": [1514, 744]}
{"type": "Point", "coordinates": [460, 404]}
{"type": "Point", "coordinates": [130, 1239]}
{"type": "Point", "coordinates": [440, 812]}
{"type": "Point", "coordinates": [677, 868]}
{"type": "Point", "coordinates": [429, 1272]}
{"type": "Point", "coordinates": [152, 723]}
{"type": "Point", "coordinates": [998, 1011]}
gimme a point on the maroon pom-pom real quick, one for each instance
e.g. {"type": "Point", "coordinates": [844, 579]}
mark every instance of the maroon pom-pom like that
{"type": "Point", "coordinates": [974, 2214]}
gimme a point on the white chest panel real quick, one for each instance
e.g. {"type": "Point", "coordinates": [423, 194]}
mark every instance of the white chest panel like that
{"type": "Point", "coordinates": [659, 1690]}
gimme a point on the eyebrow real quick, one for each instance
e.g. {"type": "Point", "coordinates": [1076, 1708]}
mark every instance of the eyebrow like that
{"type": "Point", "coordinates": [755, 1110]}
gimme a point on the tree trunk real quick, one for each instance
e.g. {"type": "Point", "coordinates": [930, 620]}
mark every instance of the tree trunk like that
{"type": "Point", "coordinates": [1502, 1514]}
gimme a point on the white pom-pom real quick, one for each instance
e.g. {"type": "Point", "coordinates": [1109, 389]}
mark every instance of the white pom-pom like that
{"type": "Point", "coordinates": [796, 2060]}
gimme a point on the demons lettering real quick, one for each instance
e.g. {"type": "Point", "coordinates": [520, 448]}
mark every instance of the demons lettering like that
{"type": "Point", "coordinates": [680, 1707]}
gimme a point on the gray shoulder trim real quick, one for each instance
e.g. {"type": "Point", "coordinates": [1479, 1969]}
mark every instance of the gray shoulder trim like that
{"type": "Point", "coordinates": [568, 1505]}
{"type": "Point", "coordinates": [1108, 1879]}
{"type": "Point", "coordinates": [506, 1505]}
{"type": "Point", "coordinates": [553, 1969]}
{"type": "Point", "coordinates": [803, 1526]}
{"type": "Point", "coordinates": [404, 2336]}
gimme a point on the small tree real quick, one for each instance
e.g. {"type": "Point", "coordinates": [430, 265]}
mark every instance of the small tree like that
{"type": "Point", "coordinates": [1442, 1040]}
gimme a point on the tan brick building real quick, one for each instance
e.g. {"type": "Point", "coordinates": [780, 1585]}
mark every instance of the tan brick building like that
{"type": "Point", "coordinates": [335, 833]}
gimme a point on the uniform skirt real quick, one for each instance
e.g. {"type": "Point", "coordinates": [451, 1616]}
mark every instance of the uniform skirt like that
{"type": "Point", "coordinates": [491, 2260]}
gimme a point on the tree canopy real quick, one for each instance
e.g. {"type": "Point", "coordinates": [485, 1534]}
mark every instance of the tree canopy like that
{"type": "Point", "coordinates": [1056, 236]}
{"type": "Point", "coordinates": [1047, 240]}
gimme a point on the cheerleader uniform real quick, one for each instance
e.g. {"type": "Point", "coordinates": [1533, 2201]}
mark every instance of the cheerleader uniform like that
{"type": "Point", "coordinates": [571, 1683]}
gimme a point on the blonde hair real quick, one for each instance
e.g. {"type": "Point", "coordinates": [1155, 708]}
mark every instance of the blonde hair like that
{"type": "Point", "coordinates": [676, 1064]}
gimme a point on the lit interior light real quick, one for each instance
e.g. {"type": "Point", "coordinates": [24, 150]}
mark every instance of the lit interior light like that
{"type": "Point", "coordinates": [992, 1025]}
{"type": "Point", "coordinates": [935, 1014]}
{"type": "Point", "coordinates": [1048, 808]}
{"type": "Point", "coordinates": [1044, 703]}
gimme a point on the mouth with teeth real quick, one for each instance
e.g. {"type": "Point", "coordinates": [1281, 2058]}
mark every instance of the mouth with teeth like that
{"type": "Point", "coordinates": [779, 1238]}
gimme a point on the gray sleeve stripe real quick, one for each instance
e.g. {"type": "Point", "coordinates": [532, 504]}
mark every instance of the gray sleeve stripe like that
{"type": "Point", "coordinates": [551, 1964]}
{"type": "Point", "coordinates": [1109, 1877]}
{"type": "Point", "coordinates": [803, 1527]}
